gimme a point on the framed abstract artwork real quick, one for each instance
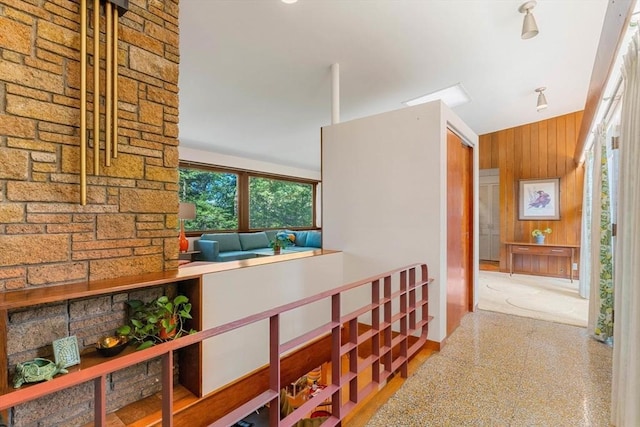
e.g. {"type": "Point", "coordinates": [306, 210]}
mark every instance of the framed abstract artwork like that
{"type": "Point", "coordinates": [539, 199]}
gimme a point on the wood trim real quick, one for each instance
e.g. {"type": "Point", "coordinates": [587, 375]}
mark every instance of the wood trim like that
{"type": "Point", "coordinates": [191, 357]}
{"type": "Point", "coordinates": [435, 345]}
{"type": "Point", "coordinates": [4, 374]}
{"type": "Point", "coordinates": [244, 176]}
{"type": "Point", "coordinates": [243, 201]}
{"type": "Point", "coordinates": [214, 168]}
{"type": "Point", "coordinates": [616, 22]}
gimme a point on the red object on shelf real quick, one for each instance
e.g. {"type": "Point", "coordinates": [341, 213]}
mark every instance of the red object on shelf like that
{"type": "Point", "coordinates": [184, 243]}
{"type": "Point", "coordinates": [320, 414]}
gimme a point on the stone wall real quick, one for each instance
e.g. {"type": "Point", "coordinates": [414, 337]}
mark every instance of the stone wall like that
{"type": "Point", "coordinates": [31, 332]}
{"type": "Point", "coordinates": [129, 225]}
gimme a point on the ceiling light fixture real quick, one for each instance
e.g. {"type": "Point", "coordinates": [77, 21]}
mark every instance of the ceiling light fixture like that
{"type": "Point", "coordinates": [542, 100]}
{"type": "Point", "coordinates": [452, 96]}
{"type": "Point", "coordinates": [289, 1]}
{"type": "Point", "coordinates": [529, 27]}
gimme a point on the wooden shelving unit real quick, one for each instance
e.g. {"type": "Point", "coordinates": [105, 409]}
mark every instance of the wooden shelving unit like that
{"type": "Point", "coordinates": [188, 283]}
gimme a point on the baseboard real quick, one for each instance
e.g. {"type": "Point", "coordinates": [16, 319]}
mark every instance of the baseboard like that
{"type": "Point", "coordinates": [435, 345]}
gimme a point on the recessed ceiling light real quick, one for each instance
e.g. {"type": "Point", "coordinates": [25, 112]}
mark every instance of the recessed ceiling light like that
{"type": "Point", "coordinates": [452, 96]}
{"type": "Point", "coordinates": [289, 1]}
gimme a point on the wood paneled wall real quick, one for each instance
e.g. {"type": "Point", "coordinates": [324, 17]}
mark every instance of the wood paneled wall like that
{"type": "Point", "coordinates": [537, 150]}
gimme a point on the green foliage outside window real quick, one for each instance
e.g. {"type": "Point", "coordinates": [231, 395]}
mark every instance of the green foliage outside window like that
{"type": "Point", "coordinates": [277, 203]}
{"type": "Point", "coordinates": [215, 195]}
{"type": "Point", "coordinates": [273, 203]}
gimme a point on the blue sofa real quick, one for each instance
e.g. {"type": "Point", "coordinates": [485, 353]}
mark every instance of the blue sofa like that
{"type": "Point", "coordinates": [222, 247]}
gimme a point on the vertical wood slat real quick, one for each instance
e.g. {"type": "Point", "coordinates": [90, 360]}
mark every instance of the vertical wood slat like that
{"type": "Point", "coordinates": [274, 365]}
{"type": "Point", "coordinates": [375, 325]}
{"type": "Point", "coordinates": [336, 358]}
{"type": "Point", "coordinates": [412, 298]}
{"type": "Point", "coordinates": [505, 200]}
{"type": "Point", "coordinates": [4, 376]}
{"type": "Point", "coordinates": [403, 324]}
{"type": "Point", "coordinates": [100, 401]}
{"type": "Point", "coordinates": [167, 389]}
{"type": "Point", "coordinates": [537, 150]}
{"type": "Point", "coordinates": [563, 234]}
{"type": "Point", "coordinates": [495, 153]}
{"type": "Point", "coordinates": [387, 319]}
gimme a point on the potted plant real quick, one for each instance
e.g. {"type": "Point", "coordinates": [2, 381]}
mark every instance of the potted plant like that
{"type": "Point", "coordinates": [282, 240]}
{"type": "Point", "coordinates": [539, 235]}
{"type": "Point", "coordinates": [159, 320]}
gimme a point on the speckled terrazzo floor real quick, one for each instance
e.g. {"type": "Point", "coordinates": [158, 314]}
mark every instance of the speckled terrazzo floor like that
{"type": "Point", "coordinates": [503, 370]}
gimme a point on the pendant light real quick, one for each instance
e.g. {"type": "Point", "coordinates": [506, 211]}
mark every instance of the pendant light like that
{"type": "Point", "coordinates": [542, 100]}
{"type": "Point", "coordinates": [529, 27]}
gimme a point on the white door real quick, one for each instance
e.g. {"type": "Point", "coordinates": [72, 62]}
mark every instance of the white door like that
{"type": "Point", "coordinates": [489, 206]}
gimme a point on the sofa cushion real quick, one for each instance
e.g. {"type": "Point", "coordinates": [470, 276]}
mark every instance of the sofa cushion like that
{"type": "Point", "coordinates": [226, 241]}
{"type": "Point", "coordinates": [209, 250]}
{"type": "Point", "coordinates": [314, 239]}
{"type": "Point", "coordinates": [235, 256]}
{"type": "Point", "coordinates": [254, 240]}
{"type": "Point", "coordinates": [271, 234]}
{"type": "Point", "coordinates": [301, 238]}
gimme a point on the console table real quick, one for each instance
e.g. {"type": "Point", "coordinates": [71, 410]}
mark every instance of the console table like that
{"type": "Point", "coordinates": [568, 251]}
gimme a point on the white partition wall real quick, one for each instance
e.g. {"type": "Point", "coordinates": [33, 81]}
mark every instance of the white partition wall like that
{"type": "Point", "coordinates": [234, 294]}
{"type": "Point", "coordinates": [384, 195]}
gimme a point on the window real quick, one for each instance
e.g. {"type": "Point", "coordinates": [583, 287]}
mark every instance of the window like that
{"type": "Point", "coordinates": [215, 195]}
{"type": "Point", "coordinates": [276, 203]}
{"type": "Point", "coordinates": [228, 199]}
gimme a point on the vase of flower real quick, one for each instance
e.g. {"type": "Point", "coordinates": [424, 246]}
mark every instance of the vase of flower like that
{"type": "Point", "coordinates": [282, 240]}
{"type": "Point", "coordinates": [539, 235]}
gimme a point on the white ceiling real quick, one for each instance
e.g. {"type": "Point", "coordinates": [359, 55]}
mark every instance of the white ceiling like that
{"type": "Point", "coordinates": [255, 78]}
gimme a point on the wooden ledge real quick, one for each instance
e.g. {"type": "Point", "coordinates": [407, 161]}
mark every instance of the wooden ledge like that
{"type": "Point", "coordinates": [48, 294]}
{"type": "Point", "coordinates": [203, 267]}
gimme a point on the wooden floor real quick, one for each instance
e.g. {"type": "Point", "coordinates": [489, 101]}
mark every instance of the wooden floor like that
{"type": "Point", "coordinates": [148, 412]}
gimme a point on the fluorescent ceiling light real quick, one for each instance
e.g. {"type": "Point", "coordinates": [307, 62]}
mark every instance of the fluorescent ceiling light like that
{"type": "Point", "coordinates": [452, 96]}
{"type": "Point", "coordinates": [288, 1]}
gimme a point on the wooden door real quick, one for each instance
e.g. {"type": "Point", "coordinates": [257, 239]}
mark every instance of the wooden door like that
{"type": "Point", "coordinates": [459, 230]}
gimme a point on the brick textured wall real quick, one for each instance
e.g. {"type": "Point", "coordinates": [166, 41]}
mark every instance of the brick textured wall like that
{"type": "Point", "coordinates": [31, 332]}
{"type": "Point", "coordinates": [129, 225]}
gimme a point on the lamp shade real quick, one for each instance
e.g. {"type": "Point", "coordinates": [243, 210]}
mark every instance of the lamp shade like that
{"type": "Point", "coordinates": [187, 211]}
{"type": "Point", "coordinates": [542, 100]}
{"type": "Point", "coordinates": [529, 27]}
